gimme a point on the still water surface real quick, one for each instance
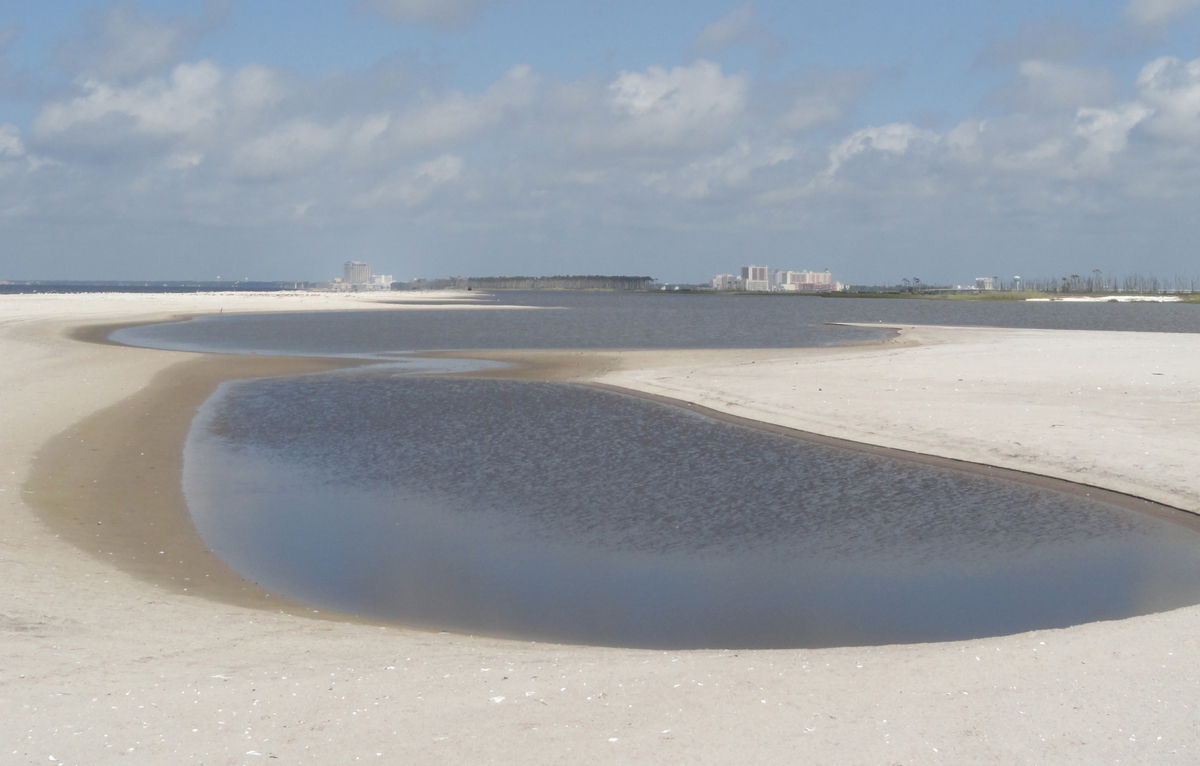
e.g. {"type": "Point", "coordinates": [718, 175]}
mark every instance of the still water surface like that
{"type": "Point", "coordinates": [634, 320]}
{"type": "Point", "coordinates": [563, 513]}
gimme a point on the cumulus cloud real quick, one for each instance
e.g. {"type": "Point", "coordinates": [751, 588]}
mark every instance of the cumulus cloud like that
{"type": "Point", "coordinates": [441, 14]}
{"type": "Point", "coordinates": [896, 139]}
{"type": "Point", "coordinates": [729, 171]}
{"type": "Point", "coordinates": [156, 107]}
{"type": "Point", "coordinates": [683, 105]}
{"type": "Point", "coordinates": [298, 145]}
{"type": "Point", "coordinates": [14, 157]}
{"type": "Point", "coordinates": [1171, 88]}
{"type": "Point", "coordinates": [740, 27]}
{"type": "Point", "coordinates": [1106, 132]}
{"type": "Point", "coordinates": [1153, 12]}
{"type": "Point", "coordinates": [456, 116]}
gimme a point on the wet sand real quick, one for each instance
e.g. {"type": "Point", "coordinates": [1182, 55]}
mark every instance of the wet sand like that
{"type": "Point", "coordinates": [104, 661]}
{"type": "Point", "coordinates": [111, 483]}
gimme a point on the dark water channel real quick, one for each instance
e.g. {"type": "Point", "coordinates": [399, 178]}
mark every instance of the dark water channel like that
{"type": "Point", "coordinates": [562, 513]}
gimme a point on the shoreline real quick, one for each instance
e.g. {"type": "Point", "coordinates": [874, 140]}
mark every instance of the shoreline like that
{"type": "Point", "coordinates": [80, 490]}
{"type": "Point", "coordinates": [83, 492]}
{"type": "Point", "coordinates": [89, 479]}
{"type": "Point", "coordinates": [99, 666]}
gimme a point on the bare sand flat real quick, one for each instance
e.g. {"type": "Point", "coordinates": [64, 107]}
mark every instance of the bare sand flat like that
{"type": "Point", "coordinates": [107, 661]}
{"type": "Point", "coordinates": [1118, 410]}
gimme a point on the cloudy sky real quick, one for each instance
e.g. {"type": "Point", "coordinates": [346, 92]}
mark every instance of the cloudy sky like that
{"type": "Point", "coordinates": [263, 139]}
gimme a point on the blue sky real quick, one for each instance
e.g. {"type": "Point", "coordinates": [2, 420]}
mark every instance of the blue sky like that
{"type": "Point", "coordinates": [943, 140]}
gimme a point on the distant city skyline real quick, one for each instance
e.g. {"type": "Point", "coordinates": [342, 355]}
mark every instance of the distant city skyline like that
{"type": "Point", "coordinates": [185, 139]}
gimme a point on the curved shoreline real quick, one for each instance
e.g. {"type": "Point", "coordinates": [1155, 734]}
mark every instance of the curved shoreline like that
{"type": "Point", "coordinates": [83, 491]}
{"type": "Point", "coordinates": [1123, 500]}
{"type": "Point", "coordinates": [111, 484]}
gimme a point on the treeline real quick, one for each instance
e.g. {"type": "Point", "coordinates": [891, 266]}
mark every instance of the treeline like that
{"type": "Point", "coordinates": [1097, 282]}
{"type": "Point", "coordinates": [562, 282]}
{"type": "Point", "coordinates": [453, 283]}
{"type": "Point", "coordinates": [592, 282]}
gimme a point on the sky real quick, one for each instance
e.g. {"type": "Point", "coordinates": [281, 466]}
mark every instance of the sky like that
{"type": "Point", "coordinates": [264, 140]}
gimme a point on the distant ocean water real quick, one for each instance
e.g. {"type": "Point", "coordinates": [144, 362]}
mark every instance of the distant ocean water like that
{"type": "Point", "coordinates": [635, 320]}
{"type": "Point", "coordinates": [562, 513]}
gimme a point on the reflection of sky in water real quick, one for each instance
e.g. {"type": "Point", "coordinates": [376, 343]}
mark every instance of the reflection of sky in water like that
{"type": "Point", "coordinates": [634, 320]}
{"type": "Point", "coordinates": [563, 513]}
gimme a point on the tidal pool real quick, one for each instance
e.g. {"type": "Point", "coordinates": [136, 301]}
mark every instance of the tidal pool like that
{"type": "Point", "coordinates": [563, 513]}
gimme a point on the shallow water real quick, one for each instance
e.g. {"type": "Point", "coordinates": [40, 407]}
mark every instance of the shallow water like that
{"type": "Point", "coordinates": [634, 320]}
{"type": "Point", "coordinates": [563, 513]}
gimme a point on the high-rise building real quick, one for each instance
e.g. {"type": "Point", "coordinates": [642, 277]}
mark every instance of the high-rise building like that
{"type": "Point", "coordinates": [356, 273]}
{"type": "Point", "coordinates": [755, 279]}
{"type": "Point", "coordinates": [810, 281]}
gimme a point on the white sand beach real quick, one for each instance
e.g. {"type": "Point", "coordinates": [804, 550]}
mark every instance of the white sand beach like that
{"type": "Point", "coordinates": [99, 664]}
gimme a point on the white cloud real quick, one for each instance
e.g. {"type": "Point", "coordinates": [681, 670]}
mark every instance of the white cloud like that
{"type": "Point", "coordinates": [412, 187]}
{"type": "Point", "coordinates": [889, 139]}
{"type": "Point", "coordinates": [1172, 88]}
{"type": "Point", "coordinates": [183, 160]}
{"type": "Point", "coordinates": [1106, 132]}
{"type": "Point", "coordinates": [1150, 12]}
{"type": "Point", "coordinates": [296, 146]}
{"type": "Point", "coordinates": [446, 168]}
{"type": "Point", "coordinates": [254, 87]}
{"type": "Point", "coordinates": [684, 148]}
{"type": "Point", "coordinates": [662, 107]}
{"type": "Point", "coordinates": [729, 170]}
{"type": "Point", "coordinates": [443, 14]}
{"type": "Point", "coordinates": [155, 107]}
{"type": "Point", "coordinates": [10, 142]}
{"type": "Point", "coordinates": [457, 116]}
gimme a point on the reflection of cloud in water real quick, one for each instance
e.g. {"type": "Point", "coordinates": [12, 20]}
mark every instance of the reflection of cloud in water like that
{"type": "Point", "coordinates": [565, 513]}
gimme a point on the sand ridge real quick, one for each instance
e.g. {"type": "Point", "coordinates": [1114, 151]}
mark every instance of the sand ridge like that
{"type": "Point", "coordinates": [100, 666]}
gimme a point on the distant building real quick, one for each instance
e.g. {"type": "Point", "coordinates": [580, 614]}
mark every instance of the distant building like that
{"type": "Point", "coordinates": [725, 282]}
{"type": "Point", "coordinates": [811, 281]}
{"type": "Point", "coordinates": [755, 279]}
{"type": "Point", "coordinates": [383, 281]}
{"type": "Point", "coordinates": [985, 283]}
{"type": "Point", "coordinates": [764, 279]}
{"type": "Point", "coordinates": [356, 273]}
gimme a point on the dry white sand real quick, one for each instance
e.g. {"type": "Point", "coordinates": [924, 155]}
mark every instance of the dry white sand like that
{"type": "Point", "coordinates": [1118, 410]}
{"type": "Point", "coordinates": [98, 667]}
